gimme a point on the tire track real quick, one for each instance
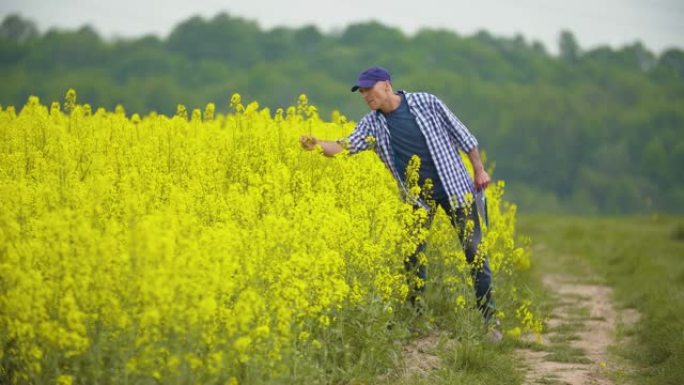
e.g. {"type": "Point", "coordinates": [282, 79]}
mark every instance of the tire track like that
{"type": "Point", "coordinates": [581, 327]}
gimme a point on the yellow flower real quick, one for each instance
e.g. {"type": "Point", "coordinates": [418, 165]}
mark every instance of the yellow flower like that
{"type": "Point", "coordinates": [460, 302]}
{"type": "Point", "coordinates": [70, 101]}
{"type": "Point", "coordinates": [208, 243]}
{"type": "Point", "coordinates": [514, 332]}
{"type": "Point", "coordinates": [263, 331]}
{"type": "Point", "coordinates": [209, 112]}
{"type": "Point", "coordinates": [65, 380]}
{"type": "Point", "coordinates": [242, 344]}
{"type": "Point", "coordinates": [304, 336]}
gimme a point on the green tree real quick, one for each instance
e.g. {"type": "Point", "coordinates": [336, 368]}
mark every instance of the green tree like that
{"type": "Point", "coordinates": [222, 38]}
{"type": "Point", "coordinates": [16, 29]}
{"type": "Point", "coordinates": [568, 47]}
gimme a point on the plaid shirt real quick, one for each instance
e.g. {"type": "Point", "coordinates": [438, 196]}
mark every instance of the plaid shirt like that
{"type": "Point", "coordinates": [444, 134]}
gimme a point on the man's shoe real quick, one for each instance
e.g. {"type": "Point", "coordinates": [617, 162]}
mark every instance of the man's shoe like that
{"type": "Point", "coordinates": [494, 335]}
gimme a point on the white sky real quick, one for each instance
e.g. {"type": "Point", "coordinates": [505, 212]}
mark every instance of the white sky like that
{"type": "Point", "coordinates": [659, 24]}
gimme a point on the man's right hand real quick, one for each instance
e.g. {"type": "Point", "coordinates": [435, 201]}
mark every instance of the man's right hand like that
{"type": "Point", "coordinates": [308, 142]}
{"type": "Point", "coordinates": [328, 148]}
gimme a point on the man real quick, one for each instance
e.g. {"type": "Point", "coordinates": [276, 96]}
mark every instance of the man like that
{"type": "Point", "coordinates": [406, 124]}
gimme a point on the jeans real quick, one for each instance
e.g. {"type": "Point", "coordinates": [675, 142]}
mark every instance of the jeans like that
{"type": "Point", "coordinates": [482, 275]}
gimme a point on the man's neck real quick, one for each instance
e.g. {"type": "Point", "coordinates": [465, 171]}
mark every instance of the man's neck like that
{"type": "Point", "coordinates": [394, 103]}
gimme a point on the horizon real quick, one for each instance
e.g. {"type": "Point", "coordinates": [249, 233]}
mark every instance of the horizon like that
{"type": "Point", "coordinates": [550, 50]}
{"type": "Point", "coordinates": [613, 23]}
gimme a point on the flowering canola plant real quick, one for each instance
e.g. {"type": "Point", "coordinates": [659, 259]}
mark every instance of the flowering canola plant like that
{"type": "Point", "coordinates": [201, 248]}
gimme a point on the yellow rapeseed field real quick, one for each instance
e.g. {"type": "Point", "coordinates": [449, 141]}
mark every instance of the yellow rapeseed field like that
{"type": "Point", "coordinates": [206, 248]}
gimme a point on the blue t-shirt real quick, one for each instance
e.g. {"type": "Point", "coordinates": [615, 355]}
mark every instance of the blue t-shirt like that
{"type": "Point", "coordinates": [407, 140]}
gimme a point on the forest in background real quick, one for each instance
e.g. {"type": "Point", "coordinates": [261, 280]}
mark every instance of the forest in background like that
{"type": "Point", "coordinates": [593, 131]}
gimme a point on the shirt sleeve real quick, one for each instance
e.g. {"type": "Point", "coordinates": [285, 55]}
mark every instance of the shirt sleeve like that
{"type": "Point", "coordinates": [457, 131]}
{"type": "Point", "coordinates": [361, 138]}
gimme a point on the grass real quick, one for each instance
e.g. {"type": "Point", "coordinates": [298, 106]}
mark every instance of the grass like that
{"type": "Point", "coordinates": [641, 258]}
{"type": "Point", "coordinates": [470, 362]}
{"type": "Point", "coordinates": [464, 354]}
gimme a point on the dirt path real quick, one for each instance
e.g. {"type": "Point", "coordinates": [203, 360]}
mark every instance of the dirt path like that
{"type": "Point", "coordinates": [580, 328]}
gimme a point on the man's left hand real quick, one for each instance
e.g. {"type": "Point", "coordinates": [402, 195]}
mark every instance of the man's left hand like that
{"type": "Point", "coordinates": [481, 179]}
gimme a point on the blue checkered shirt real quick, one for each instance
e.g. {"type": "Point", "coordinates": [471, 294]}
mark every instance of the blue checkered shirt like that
{"type": "Point", "coordinates": [444, 134]}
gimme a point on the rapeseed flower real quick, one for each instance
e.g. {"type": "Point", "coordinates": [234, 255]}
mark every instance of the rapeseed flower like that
{"type": "Point", "coordinates": [181, 250]}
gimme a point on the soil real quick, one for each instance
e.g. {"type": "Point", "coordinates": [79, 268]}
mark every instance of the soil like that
{"type": "Point", "coordinates": [588, 310]}
{"type": "Point", "coordinates": [420, 355]}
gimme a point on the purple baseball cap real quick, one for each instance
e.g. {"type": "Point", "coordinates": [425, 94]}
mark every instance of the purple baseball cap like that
{"type": "Point", "coordinates": [369, 77]}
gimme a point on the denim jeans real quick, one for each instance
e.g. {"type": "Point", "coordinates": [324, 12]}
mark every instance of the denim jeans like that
{"type": "Point", "coordinates": [482, 275]}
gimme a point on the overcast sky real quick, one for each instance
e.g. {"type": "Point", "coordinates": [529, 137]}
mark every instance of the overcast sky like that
{"type": "Point", "coordinates": [659, 24]}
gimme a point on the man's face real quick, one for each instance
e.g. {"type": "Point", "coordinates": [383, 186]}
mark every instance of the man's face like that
{"type": "Point", "coordinates": [377, 96]}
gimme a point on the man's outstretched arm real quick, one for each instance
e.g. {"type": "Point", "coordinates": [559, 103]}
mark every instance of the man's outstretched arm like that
{"type": "Point", "coordinates": [329, 148]}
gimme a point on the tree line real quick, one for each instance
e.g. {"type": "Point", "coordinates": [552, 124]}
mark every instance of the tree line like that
{"type": "Point", "coordinates": [585, 131]}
